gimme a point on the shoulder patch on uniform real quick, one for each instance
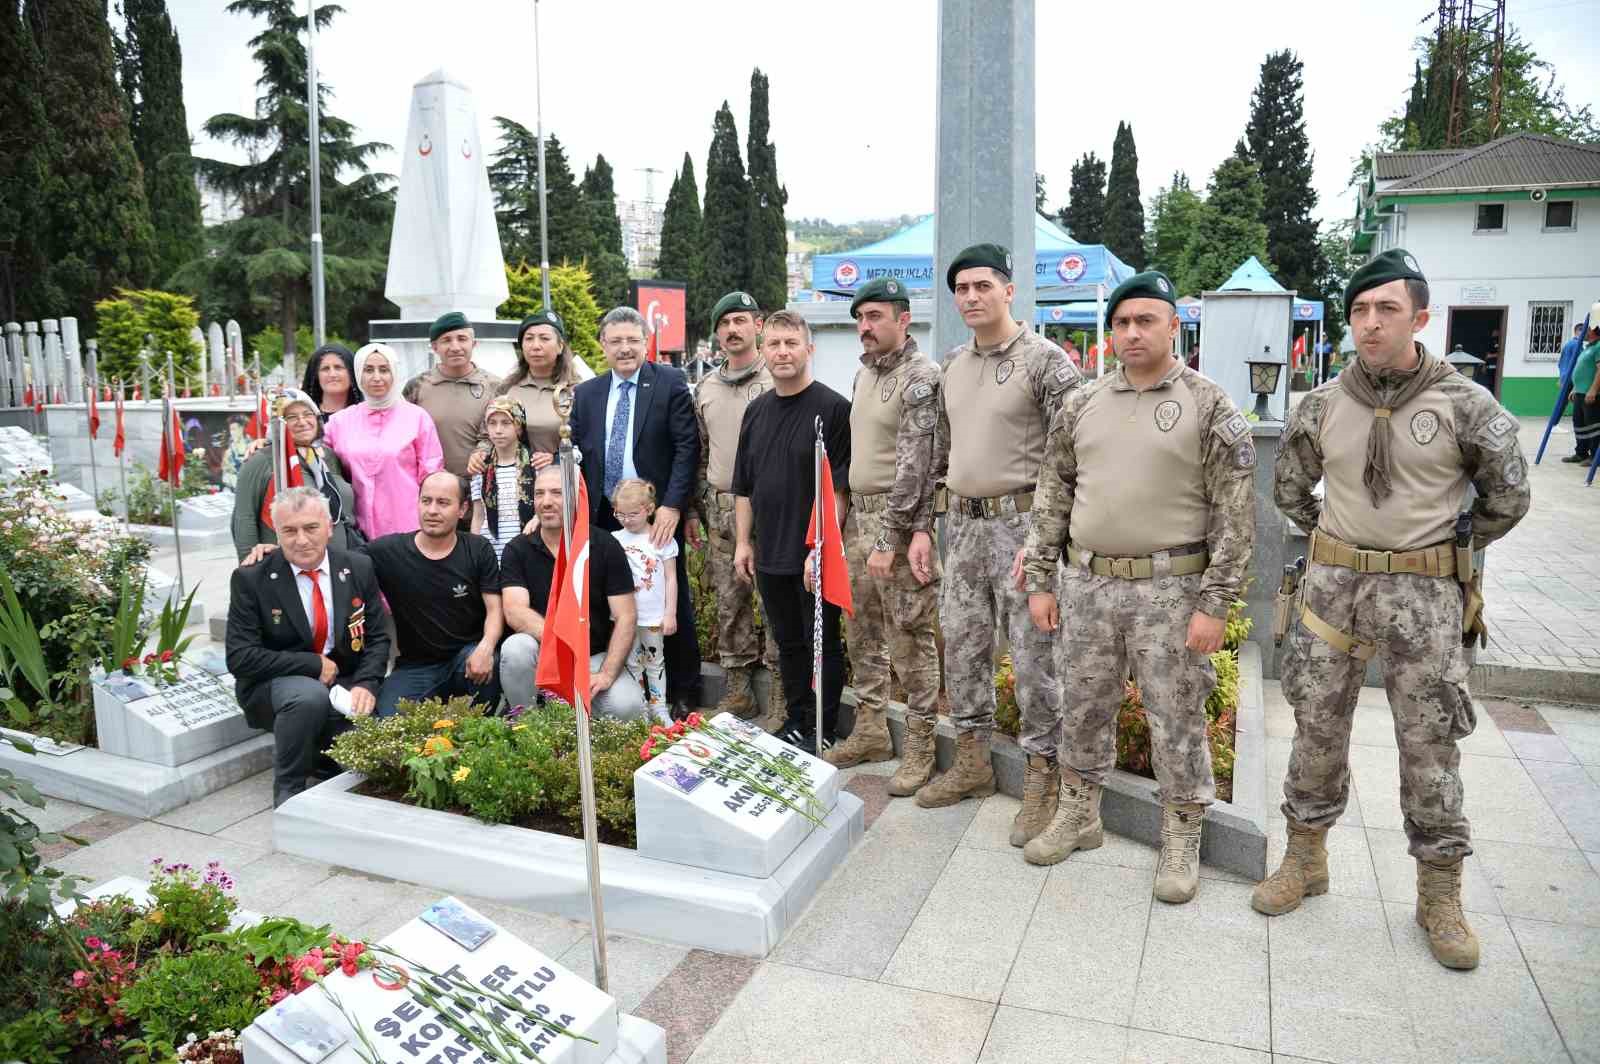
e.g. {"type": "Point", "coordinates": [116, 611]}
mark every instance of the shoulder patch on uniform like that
{"type": "Point", "coordinates": [924, 419]}
{"type": "Point", "coordinates": [1500, 425]}
{"type": "Point", "coordinates": [1244, 455]}
{"type": "Point", "coordinates": [1234, 429]}
{"type": "Point", "coordinates": [1514, 470]}
{"type": "Point", "coordinates": [919, 393]}
{"type": "Point", "coordinates": [1499, 432]}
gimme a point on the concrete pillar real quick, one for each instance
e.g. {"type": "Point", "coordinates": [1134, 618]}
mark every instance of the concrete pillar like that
{"type": "Point", "coordinates": [235, 364]}
{"type": "Point", "coordinates": [54, 363]}
{"type": "Point", "coordinates": [72, 355]}
{"type": "Point", "coordinates": [33, 352]}
{"type": "Point", "coordinates": [985, 148]}
{"type": "Point", "coordinates": [1273, 548]}
{"type": "Point", "coordinates": [214, 357]}
{"type": "Point", "coordinates": [12, 357]}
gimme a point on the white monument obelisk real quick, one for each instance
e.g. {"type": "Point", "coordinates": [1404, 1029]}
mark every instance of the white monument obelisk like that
{"type": "Point", "coordinates": [444, 253]}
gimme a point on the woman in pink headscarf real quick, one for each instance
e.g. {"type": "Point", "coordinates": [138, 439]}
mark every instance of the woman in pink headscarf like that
{"type": "Point", "coordinates": [387, 445]}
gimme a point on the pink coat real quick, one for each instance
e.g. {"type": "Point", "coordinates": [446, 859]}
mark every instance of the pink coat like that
{"type": "Point", "coordinates": [386, 453]}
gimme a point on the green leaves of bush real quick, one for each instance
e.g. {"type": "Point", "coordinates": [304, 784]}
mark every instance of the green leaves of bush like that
{"type": "Point", "coordinates": [199, 992]}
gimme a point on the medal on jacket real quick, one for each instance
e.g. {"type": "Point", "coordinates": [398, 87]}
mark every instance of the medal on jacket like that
{"type": "Point", "coordinates": [358, 625]}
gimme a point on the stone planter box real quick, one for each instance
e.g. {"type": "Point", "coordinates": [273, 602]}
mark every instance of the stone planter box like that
{"type": "Point", "coordinates": [543, 872]}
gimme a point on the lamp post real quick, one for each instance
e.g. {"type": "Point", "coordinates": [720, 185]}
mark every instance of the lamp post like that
{"type": "Point", "coordinates": [1265, 372]}
{"type": "Point", "coordinates": [1465, 364]}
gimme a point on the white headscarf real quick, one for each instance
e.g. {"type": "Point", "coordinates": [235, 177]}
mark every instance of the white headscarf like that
{"type": "Point", "coordinates": [388, 356]}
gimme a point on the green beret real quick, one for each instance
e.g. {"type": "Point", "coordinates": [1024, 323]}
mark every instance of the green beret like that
{"type": "Point", "coordinates": [731, 302]}
{"type": "Point", "coordinates": [993, 256]}
{"type": "Point", "coordinates": [1151, 284]}
{"type": "Point", "coordinates": [542, 317]}
{"type": "Point", "coordinates": [448, 322]}
{"type": "Point", "coordinates": [880, 290]}
{"type": "Point", "coordinates": [1396, 264]}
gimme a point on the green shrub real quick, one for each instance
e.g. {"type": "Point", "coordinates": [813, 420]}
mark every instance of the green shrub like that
{"type": "Point", "coordinates": [187, 905]}
{"type": "Point", "coordinates": [198, 992]}
{"type": "Point", "coordinates": [572, 291]}
{"type": "Point", "coordinates": [166, 316]}
{"type": "Point", "coordinates": [37, 1037]}
{"type": "Point", "coordinates": [378, 747]}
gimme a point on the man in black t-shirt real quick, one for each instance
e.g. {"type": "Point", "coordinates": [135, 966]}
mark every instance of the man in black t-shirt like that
{"type": "Point", "coordinates": [774, 485]}
{"type": "Point", "coordinates": [526, 569]}
{"type": "Point", "coordinates": [444, 594]}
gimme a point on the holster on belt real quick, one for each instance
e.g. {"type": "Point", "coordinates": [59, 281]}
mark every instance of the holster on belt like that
{"type": "Point", "coordinates": [1474, 629]}
{"type": "Point", "coordinates": [1283, 612]}
{"type": "Point", "coordinates": [941, 501]}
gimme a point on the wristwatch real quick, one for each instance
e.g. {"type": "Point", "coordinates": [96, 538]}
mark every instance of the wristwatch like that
{"type": "Point", "coordinates": [882, 544]}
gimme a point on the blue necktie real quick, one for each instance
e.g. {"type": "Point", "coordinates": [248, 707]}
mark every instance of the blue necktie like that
{"type": "Point", "coordinates": [617, 445]}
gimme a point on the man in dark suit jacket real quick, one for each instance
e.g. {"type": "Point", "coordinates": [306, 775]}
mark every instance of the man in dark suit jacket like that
{"type": "Point", "coordinates": [637, 420]}
{"type": "Point", "coordinates": [303, 623]}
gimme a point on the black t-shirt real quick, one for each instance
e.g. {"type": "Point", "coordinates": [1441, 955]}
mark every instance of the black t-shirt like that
{"type": "Point", "coordinates": [437, 605]}
{"type": "Point", "coordinates": [527, 563]}
{"type": "Point", "coordinates": [775, 467]}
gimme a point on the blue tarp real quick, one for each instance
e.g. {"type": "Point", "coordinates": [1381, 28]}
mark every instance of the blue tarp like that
{"type": "Point", "coordinates": [1251, 276]}
{"type": "Point", "coordinates": [1080, 313]}
{"type": "Point", "coordinates": [1063, 269]}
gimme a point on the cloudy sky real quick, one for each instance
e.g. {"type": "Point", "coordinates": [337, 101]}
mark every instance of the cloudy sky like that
{"type": "Point", "coordinates": [854, 84]}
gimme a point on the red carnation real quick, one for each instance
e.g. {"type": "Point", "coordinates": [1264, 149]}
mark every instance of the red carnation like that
{"type": "Point", "coordinates": [166, 656]}
{"type": "Point", "coordinates": [355, 603]}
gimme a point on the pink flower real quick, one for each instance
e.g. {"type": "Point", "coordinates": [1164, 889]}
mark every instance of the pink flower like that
{"type": "Point", "coordinates": [166, 656]}
{"type": "Point", "coordinates": [348, 955]}
{"type": "Point", "coordinates": [278, 994]}
{"type": "Point", "coordinates": [647, 749]}
{"type": "Point", "coordinates": [93, 942]}
{"type": "Point", "coordinates": [693, 720]}
{"type": "Point", "coordinates": [80, 978]}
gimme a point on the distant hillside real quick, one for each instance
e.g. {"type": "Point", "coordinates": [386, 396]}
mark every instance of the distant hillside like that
{"type": "Point", "coordinates": [824, 237]}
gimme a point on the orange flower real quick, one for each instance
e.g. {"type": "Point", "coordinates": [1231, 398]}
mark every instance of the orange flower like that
{"type": "Point", "coordinates": [441, 725]}
{"type": "Point", "coordinates": [437, 744]}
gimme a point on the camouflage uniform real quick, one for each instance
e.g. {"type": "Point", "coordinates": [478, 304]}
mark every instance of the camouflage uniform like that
{"type": "Point", "coordinates": [1179, 476]}
{"type": "Point", "coordinates": [992, 448]}
{"type": "Point", "coordinates": [719, 403]}
{"type": "Point", "coordinates": [1413, 620]}
{"type": "Point", "coordinates": [894, 618]}
{"type": "Point", "coordinates": [456, 405]}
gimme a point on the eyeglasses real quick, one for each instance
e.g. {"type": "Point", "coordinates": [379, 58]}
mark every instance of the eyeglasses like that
{"type": "Point", "coordinates": [299, 417]}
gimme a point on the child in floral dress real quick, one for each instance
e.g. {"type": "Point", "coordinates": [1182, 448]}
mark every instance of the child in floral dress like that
{"type": "Point", "coordinates": [655, 590]}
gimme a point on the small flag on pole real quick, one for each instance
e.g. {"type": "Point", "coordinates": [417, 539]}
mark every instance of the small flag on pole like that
{"type": "Point", "coordinates": [564, 653]}
{"type": "Point", "coordinates": [835, 573]}
{"type": "Point", "coordinates": [94, 414]}
{"type": "Point", "coordinates": [257, 427]}
{"type": "Point", "coordinates": [171, 465]}
{"type": "Point", "coordinates": [120, 441]}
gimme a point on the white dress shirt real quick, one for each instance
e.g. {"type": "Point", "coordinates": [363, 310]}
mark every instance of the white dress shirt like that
{"type": "Point", "coordinates": [612, 396]}
{"type": "Point", "coordinates": [302, 583]}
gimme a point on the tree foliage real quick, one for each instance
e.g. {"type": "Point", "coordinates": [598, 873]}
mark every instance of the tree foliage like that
{"type": "Point", "coordinates": [726, 249]}
{"type": "Point", "coordinates": [27, 290]}
{"type": "Point", "coordinates": [1229, 228]}
{"type": "Point", "coordinates": [130, 315]}
{"type": "Point", "coordinates": [1338, 263]}
{"type": "Point", "coordinates": [1174, 217]}
{"type": "Point", "coordinates": [607, 266]}
{"type": "Point", "coordinates": [1123, 230]}
{"type": "Point", "coordinates": [95, 220]}
{"type": "Point", "coordinates": [768, 279]}
{"type": "Point", "coordinates": [1085, 213]}
{"type": "Point", "coordinates": [1278, 145]}
{"type": "Point", "coordinates": [681, 239]}
{"type": "Point", "coordinates": [571, 292]}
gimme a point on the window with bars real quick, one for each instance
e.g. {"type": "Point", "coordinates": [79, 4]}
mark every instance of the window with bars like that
{"type": "Point", "coordinates": [1548, 324]}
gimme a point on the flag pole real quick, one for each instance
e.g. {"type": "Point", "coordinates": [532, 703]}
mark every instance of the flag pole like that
{"type": "Point", "coordinates": [538, 115]}
{"type": "Point", "coordinates": [591, 832]}
{"type": "Point", "coordinates": [91, 393]}
{"type": "Point", "coordinates": [820, 452]}
{"type": "Point", "coordinates": [122, 462]}
{"type": "Point", "coordinates": [169, 417]}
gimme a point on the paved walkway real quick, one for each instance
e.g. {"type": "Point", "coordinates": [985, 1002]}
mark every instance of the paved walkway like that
{"type": "Point", "coordinates": [936, 942]}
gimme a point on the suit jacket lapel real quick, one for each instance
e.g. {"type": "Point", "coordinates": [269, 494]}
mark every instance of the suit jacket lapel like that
{"type": "Point", "coordinates": [598, 397]}
{"type": "Point", "coordinates": [287, 586]}
{"type": "Point", "coordinates": [641, 403]}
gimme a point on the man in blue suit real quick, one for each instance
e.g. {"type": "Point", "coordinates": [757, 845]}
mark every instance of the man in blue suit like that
{"type": "Point", "coordinates": [637, 420]}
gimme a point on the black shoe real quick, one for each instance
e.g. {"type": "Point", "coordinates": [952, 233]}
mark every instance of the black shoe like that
{"type": "Point", "coordinates": [1575, 459]}
{"type": "Point", "coordinates": [680, 710]}
{"type": "Point", "coordinates": [803, 740]}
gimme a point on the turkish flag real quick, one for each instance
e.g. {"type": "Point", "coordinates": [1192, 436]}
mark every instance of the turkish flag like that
{"type": "Point", "coordinates": [260, 420]}
{"type": "Point", "coordinates": [651, 352]}
{"type": "Point", "coordinates": [27, 399]}
{"type": "Point", "coordinates": [297, 478]}
{"type": "Point", "coordinates": [94, 414]}
{"type": "Point", "coordinates": [171, 466]}
{"type": "Point", "coordinates": [564, 652]}
{"type": "Point", "coordinates": [835, 574]}
{"type": "Point", "coordinates": [1298, 351]}
{"type": "Point", "coordinates": [120, 441]}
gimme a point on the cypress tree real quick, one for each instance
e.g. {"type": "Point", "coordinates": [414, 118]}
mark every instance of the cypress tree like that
{"type": "Point", "coordinates": [153, 84]}
{"type": "Point", "coordinates": [26, 291]}
{"type": "Point", "coordinates": [1174, 217]}
{"type": "Point", "coordinates": [1229, 228]}
{"type": "Point", "coordinates": [514, 183]}
{"type": "Point", "coordinates": [768, 279]}
{"type": "Point", "coordinates": [606, 263]}
{"type": "Point", "coordinates": [1123, 232]}
{"type": "Point", "coordinates": [681, 239]}
{"type": "Point", "coordinates": [1085, 212]}
{"type": "Point", "coordinates": [570, 236]}
{"type": "Point", "coordinates": [725, 253]}
{"type": "Point", "coordinates": [1281, 151]}
{"type": "Point", "coordinates": [96, 221]}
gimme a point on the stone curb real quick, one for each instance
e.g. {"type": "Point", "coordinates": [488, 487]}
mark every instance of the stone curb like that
{"type": "Point", "coordinates": [1534, 683]}
{"type": "Point", "coordinates": [137, 788]}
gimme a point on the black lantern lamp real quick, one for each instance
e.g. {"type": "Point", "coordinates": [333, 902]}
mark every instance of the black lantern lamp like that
{"type": "Point", "coordinates": [1465, 364]}
{"type": "Point", "coordinates": [1265, 372]}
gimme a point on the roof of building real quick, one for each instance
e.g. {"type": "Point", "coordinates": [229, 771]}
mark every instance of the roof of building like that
{"type": "Point", "coordinates": [1522, 160]}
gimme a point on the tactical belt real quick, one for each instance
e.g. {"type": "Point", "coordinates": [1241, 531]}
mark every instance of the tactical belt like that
{"type": "Point", "coordinates": [870, 504]}
{"type": "Point", "coordinates": [1437, 560]}
{"type": "Point", "coordinates": [1181, 561]}
{"type": "Point", "coordinates": [723, 499]}
{"type": "Point", "coordinates": [998, 506]}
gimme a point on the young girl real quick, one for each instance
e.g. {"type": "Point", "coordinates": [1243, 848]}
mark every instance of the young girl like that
{"type": "Point", "coordinates": [502, 495]}
{"type": "Point", "coordinates": [655, 590]}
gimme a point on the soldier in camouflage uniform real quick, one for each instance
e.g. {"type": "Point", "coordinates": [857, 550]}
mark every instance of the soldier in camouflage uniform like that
{"type": "Point", "coordinates": [719, 403]}
{"type": "Point", "coordinates": [1146, 493]}
{"type": "Point", "coordinates": [455, 393]}
{"type": "Point", "coordinates": [1395, 439]}
{"type": "Point", "coordinates": [888, 537]}
{"type": "Point", "coordinates": [998, 395]}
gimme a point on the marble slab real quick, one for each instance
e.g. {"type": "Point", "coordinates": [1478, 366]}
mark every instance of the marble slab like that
{"type": "Point", "coordinates": [170, 724]}
{"type": "Point", "coordinates": [695, 805]}
{"type": "Point", "coordinates": [206, 513]}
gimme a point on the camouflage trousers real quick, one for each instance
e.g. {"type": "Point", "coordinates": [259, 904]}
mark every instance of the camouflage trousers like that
{"type": "Point", "coordinates": [1114, 628]}
{"type": "Point", "coordinates": [1415, 621]}
{"type": "Point", "coordinates": [978, 605]}
{"type": "Point", "coordinates": [892, 626]}
{"type": "Point", "coordinates": [738, 640]}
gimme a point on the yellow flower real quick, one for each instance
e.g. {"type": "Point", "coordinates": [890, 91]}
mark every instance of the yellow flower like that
{"type": "Point", "coordinates": [437, 744]}
{"type": "Point", "coordinates": [440, 725]}
{"type": "Point", "coordinates": [518, 727]}
{"type": "Point", "coordinates": [156, 916]}
{"type": "Point", "coordinates": [462, 773]}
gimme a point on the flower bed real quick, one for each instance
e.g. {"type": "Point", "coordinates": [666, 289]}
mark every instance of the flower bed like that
{"type": "Point", "coordinates": [1133, 730]}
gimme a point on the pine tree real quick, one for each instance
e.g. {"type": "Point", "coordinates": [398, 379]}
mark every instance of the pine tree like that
{"type": "Point", "coordinates": [96, 221]}
{"type": "Point", "coordinates": [607, 265]}
{"type": "Point", "coordinates": [263, 259]}
{"type": "Point", "coordinates": [1085, 213]}
{"type": "Point", "coordinates": [1174, 217]}
{"type": "Point", "coordinates": [1281, 151]}
{"type": "Point", "coordinates": [681, 239]}
{"type": "Point", "coordinates": [1039, 193]}
{"type": "Point", "coordinates": [1230, 229]}
{"type": "Point", "coordinates": [514, 180]}
{"type": "Point", "coordinates": [153, 83]}
{"type": "Point", "coordinates": [26, 290]}
{"type": "Point", "coordinates": [768, 279]}
{"type": "Point", "coordinates": [726, 243]}
{"type": "Point", "coordinates": [1123, 232]}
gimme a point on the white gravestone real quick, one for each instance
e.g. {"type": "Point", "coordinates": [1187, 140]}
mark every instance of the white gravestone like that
{"type": "Point", "coordinates": [693, 812]}
{"type": "Point", "coordinates": [170, 724]}
{"type": "Point", "coordinates": [402, 1029]}
{"type": "Point", "coordinates": [23, 455]}
{"type": "Point", "coordinates": [206, 513]}
{"type": "Point", "coordinates": [72, 499]}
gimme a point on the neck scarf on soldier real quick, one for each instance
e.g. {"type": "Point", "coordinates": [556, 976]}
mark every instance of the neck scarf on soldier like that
{"type": "Point", "coordinates": [737, 376]}
{"type": "Point", "coordinates": [890, 359]}
{"type": "Point", "coordinates": [1384, 392]}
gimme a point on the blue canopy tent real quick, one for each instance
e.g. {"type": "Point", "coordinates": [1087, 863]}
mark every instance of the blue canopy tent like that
{"type": "Point", "coordinates": [1251, 276]}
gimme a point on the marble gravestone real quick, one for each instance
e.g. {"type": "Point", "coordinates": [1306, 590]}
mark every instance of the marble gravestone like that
{"type": "Point", "coordinates": [72, 499]}
{"type": "Point", "coordinates": [689, 810]}
{"type": "Point", "coordinates": [402, 1029]}
{"type": "Point", "coordinates": [170, 724]}
{"type": "Point", "coordinates": [21, 453]}
{"type": "Point", "coordinates": [206, 514]}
